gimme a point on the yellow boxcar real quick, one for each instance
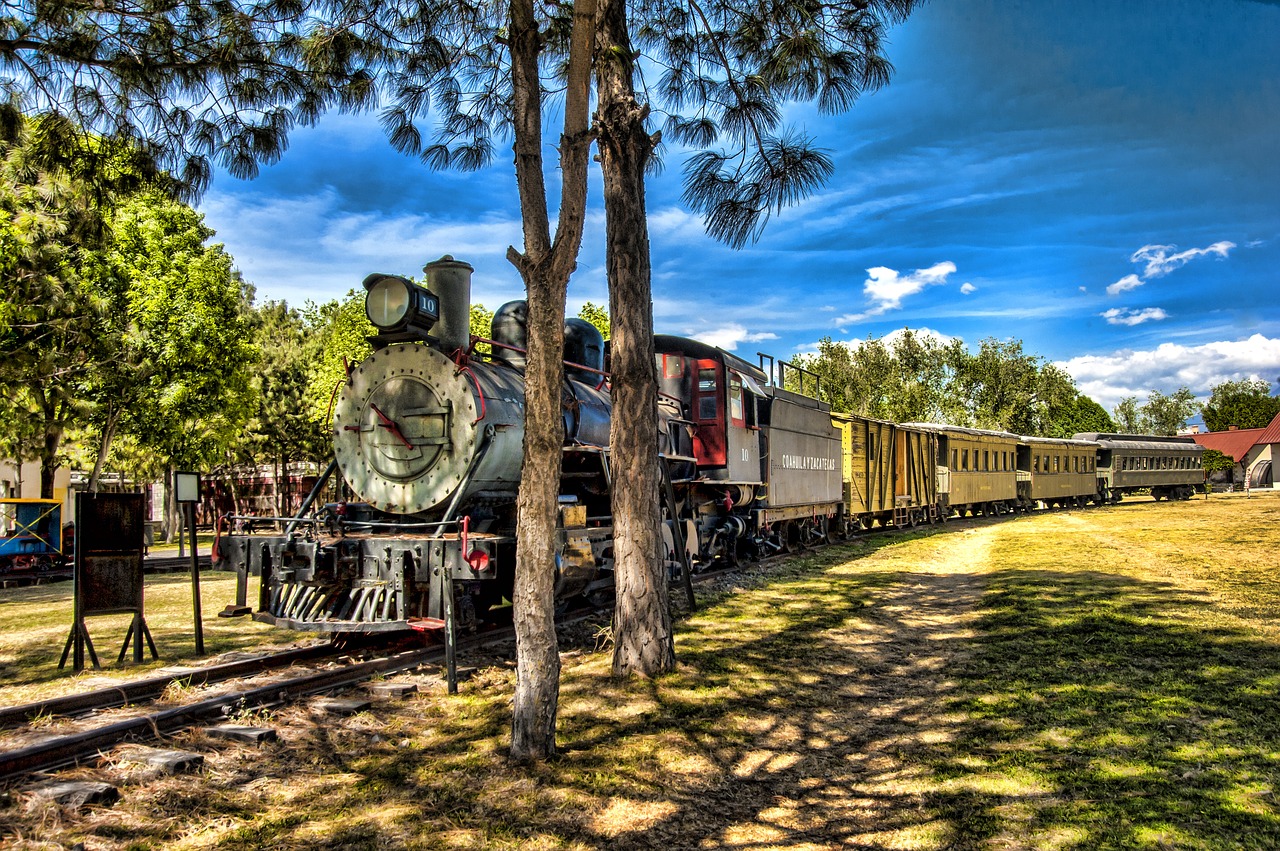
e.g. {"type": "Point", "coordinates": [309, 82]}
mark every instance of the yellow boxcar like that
{"type": "Point", "coordinates": [888, 472]}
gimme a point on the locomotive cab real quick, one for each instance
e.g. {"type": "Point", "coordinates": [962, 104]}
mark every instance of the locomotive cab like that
{"type": "Point", "coordinates": [721, 396]}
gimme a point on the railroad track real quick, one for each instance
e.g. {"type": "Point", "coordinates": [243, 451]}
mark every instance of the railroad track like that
{"type": "Point", "coordinates": [172, 564]}
{"type": "Point", "coordinates": [73, 748]}
{"type": "Point", "coordinates": [59, 751]}
{"type": "Point", "coordinates": [139, 691]}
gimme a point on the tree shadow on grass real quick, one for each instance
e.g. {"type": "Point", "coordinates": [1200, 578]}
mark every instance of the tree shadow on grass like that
{"type": "Point", "coordinates": [828, 708]}
{"type": "Point", "coordinates": [1127, 712]}
{"type": "Point", "coordinates": [1086, 710]}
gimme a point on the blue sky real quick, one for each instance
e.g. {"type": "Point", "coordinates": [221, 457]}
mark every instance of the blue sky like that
{"type": "Point", "coordinates": [1100, 180]}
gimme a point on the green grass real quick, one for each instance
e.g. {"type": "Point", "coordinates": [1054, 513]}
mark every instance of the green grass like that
{"type": "Point", "coordinates": [36, 620]}
{"type": "Point", "coordinates": [1084, 679]}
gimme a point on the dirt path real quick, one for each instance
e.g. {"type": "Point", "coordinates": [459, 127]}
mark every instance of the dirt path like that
{"type": "Point", "coordinates": [837, 767]}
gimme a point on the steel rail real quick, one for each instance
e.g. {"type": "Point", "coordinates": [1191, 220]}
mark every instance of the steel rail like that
{"type": "Point", "coordinates": [70, 749]}
{"type": "Point", "coordinates": [136, 691]}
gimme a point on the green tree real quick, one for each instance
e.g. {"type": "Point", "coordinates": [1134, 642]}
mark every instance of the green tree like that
{"type": "Point", "coordinates": [184, 81]}
{"type": "Point", "coordinates": [281, 430]}
{"type": "Point", "coordinates": [916, 378]}
{"type": "Point", "coordinates": [597, 316]}
{"type": "Point", "coordinates": [1000, 383]}
{"type": "Point", "coordinates": [838, 368]}
{"type": "Point", "coordinates": [907, 380]}
{"type": "Point", "coordinates": [340, 334]}
{"type": "Point", "coordinates": [1244, 404]}
{"type": "Point", "coordinates": [727, 71]}
{"type": "Point", "coordinates": [51, 232]}
{"type": "Point", "coordinates": [1128, 417]}
{"type": "Point", "coordinates": [1165, 414]}
{"type": "Point", "coordinates": [181, 382]}
{"type": "Point", "coordinates": [173, 328]}
{"type": "Point", "coordinates": [481, 321]}
{"type": "Point", "coordinates": [1214, 461]}
{"type": "Point", "coordinates": [1081, 416]}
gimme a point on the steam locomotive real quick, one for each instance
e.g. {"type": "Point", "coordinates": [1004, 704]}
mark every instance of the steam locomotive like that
{"type": "Point", "coordinates": [428, 435]}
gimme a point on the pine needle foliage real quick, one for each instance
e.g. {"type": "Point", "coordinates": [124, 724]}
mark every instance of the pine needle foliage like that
{"type": "Point", "coordinates": [725, 72]}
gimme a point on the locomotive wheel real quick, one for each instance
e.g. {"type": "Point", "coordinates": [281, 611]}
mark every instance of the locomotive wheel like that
{"type": "Point", "coordinates": [794, 533]}
{"type": "Point", "coordinates": [784, 538]}
{"type": "Point", "coordinates": [833, 534]}
{"type": "Point", "coordinates": [731, 555]}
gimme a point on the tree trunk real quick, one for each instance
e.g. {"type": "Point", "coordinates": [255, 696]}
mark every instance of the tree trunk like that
{"type": "Point", "coordinates": [643, 642]}
{"type": "Point", "coordinates": [170, 506]}
{"type": "Point", "coordinates": [533, 731]}
{"type": "Point", "coordinates": [545, 268]}
{"type": "Point", "coordinates": [104, 448]}
{"type": "Point", "coordinates": [49, 460]}
{"type": "Point", "coordinates": [233, 487]}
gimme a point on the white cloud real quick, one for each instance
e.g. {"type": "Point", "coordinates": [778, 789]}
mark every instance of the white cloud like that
{"type": "Point", "coordinates": [325, 250]}
{"type": "Point", "coordinates": [937, 336]}
{"type": "Point", "coordinates": [1124, 316]}
{"type": "Point", "coordinates": [1161, 262]}
{"type": "Point", "coordinates": [885, 288]}
{"type": "Point", "coordinates": [1128, 282]}
{"type": "Point", "coordinates": [673, 224]}
{"type": "Point", "coordinates": [728, 337]}
{"type": "Point", "coordinates": [967, 288]}
{"type": "Point", "coordinates": [1110, 378]}
{"type": "Point", "coordinates": [888, 339]}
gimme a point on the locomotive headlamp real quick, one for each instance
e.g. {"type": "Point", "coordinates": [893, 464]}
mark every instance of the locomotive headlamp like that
{"type": "Point", "coordinates": [399, 308]}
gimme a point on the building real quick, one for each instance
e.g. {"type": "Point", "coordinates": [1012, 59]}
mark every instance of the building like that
{"type": "Point", "coordinates": [22, 481]}
{"type": "Point", "coordinates": [1253, 449]}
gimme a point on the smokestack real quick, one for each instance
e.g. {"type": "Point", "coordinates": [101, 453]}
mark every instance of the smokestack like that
{"type": "Point", "coordinates": [450, 280]}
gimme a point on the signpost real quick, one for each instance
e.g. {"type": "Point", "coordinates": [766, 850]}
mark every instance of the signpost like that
{"type": "Point", "coordinates": [187, 489]}
{"type": "Point", "coordinates": [108, 572]}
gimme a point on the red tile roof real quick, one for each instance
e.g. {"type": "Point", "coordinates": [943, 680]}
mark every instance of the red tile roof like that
{"type": "Point", "coordinates": [1238, 443]}
{"type": "Point", "coordinates": [1271, 434]}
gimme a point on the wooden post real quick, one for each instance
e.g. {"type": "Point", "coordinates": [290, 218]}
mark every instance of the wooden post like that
{"type": "Point", "coordinates": [195, 581]}
{"type": "Point", "coordinates": [450, 635]}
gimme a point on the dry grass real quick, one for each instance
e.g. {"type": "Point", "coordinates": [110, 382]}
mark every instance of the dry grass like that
{"type": "Point", "coordinates": [1087, 679]}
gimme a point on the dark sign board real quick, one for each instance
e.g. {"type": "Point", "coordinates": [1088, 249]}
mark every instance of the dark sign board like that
{"type": "Point", "coordinates": [108, 570]}
{"type": "Point", "coordinates": [109, 528]}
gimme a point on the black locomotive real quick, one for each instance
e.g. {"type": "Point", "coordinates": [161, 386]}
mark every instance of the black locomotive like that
{"type": "Point", "coordinates": [428, 434]}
